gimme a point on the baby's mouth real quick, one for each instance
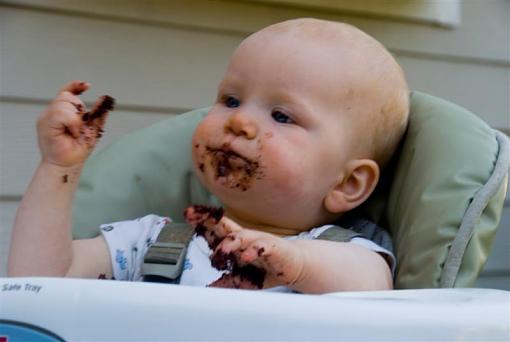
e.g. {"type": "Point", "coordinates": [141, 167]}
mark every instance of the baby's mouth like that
{"type": "Point", "coordinates": [233, 169]}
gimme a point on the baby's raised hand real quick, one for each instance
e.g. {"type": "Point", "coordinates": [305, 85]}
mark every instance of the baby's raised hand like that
{"type": "Point", "coordinates": [67, 133]}
{"type": "Point", "coordinates": [252, 258]}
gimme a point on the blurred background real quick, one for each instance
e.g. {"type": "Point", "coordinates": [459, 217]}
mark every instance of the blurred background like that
{"type": "Point", "coordinates": [161, 58]}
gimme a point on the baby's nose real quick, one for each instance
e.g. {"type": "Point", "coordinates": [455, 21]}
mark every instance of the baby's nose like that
{"type": "Point", "coordinates": [242, 125]}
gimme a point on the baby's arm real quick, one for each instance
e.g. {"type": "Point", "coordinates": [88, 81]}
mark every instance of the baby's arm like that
{"type": "Point", "coordinates": [330, 266]}
{"type": "Point", "coordinates": [308, 266]}
{"type": "Point", "coordinates": [41, 242]}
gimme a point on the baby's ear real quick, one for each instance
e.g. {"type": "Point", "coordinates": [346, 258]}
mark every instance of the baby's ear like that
{"type": "Point", "coordinates": [359, 180]}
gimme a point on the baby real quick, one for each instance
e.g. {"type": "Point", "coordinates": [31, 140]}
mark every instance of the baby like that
{"type": "Point", "coordinates": [307, 114]}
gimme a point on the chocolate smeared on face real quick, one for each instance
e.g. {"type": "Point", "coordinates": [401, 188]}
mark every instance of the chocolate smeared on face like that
{"type": "Point", "coordinates": [238, 171]}
{"type": "Point", "coordinates": [240, 277]}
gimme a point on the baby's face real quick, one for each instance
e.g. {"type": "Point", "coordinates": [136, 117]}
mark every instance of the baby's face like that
{"type": "Point", "coordinates": [279, 134]}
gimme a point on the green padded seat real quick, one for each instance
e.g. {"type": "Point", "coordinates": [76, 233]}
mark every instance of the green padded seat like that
{"type": "Point", "coordinates": [441, 200]}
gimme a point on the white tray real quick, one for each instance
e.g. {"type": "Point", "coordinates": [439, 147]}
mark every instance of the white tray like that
{"type": "Point", "coordinates": [98, 310]}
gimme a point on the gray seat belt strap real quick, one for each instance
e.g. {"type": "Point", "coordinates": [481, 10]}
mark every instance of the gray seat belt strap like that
{"type": "Point", "coordinates": [339, 234]}
{"type": "Point", "coordinates": [165, 257]}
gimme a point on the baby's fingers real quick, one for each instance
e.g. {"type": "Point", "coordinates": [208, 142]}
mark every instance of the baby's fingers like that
{"type": "Point", "coordinates": [95, 120]}
{"type": "Point", "coordinates": [202, 219]}
{"type": "Point", "coordinates": [260, 252]}
{"type": "Point", "coordinates": [78, 107]}
{"type": "Point", "coordinates": [238, 240]}
{"type": "Point", "coordinates": [97, 115]}
{"type": "Point", "coordinates": [226, 227]}
{"type": "Point", "coordinates": [73, 126]}
{"type": "Point", "coordinates": [244, 245]}
{"type": "Point", "coordinates": [75, 87]}
{"type": "Point", "coordinates": [210, 223]}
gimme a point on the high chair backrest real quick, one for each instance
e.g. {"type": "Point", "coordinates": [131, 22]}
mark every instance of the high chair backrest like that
{"type": "Point", "coordinates": [441, 200]}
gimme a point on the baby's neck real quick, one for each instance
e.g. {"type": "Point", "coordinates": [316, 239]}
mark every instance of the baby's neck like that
{"type": "Point", "coordinates": [249, 224]}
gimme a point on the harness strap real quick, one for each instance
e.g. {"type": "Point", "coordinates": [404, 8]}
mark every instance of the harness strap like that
{"type": "Point", "coordinates": [165, 257]}
{"type": "Point", "coordinates": [339, 234]}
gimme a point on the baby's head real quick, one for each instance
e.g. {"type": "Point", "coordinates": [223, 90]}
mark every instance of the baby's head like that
{"type": "Point", "coordinates": [306, 115]}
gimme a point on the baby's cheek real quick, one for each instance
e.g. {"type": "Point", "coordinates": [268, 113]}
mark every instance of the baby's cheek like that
{"type": "Point", "coordinates": [284, 165]}
{"type": "Point", "coordinates": [198, 157]}
{"type": "Point", "coordinates": [286, 174]}
{"type": "Point", "coordinates": [201, 138]}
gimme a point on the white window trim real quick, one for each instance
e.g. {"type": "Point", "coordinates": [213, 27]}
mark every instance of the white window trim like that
{"type": "Point", "coordinates": [444, 13]}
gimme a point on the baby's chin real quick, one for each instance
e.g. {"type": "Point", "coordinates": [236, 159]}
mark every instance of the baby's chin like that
{"type": "Point", "coordinates": [250, 210]}
{"type": "Point", "coordinates": [224, 168]}
{"type": "Point", "coordinates": [235, 185]}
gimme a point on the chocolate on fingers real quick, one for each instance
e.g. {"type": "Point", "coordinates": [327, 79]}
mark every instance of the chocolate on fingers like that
{"type": "Point", "coordinates": [94, 119]}
{"type": "Point", "coordinates": [104, 105]}
{"type": "Point", "coordinates": [203, 218]}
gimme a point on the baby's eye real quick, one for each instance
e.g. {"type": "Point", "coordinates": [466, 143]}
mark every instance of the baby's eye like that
{"type": "Point", "coordinates": [281, 117]}
{"type": "Point", "coordinates": [232, 102]}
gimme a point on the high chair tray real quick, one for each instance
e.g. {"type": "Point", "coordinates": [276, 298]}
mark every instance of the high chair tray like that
{"type": "Point", "coordinates": [53, 309]}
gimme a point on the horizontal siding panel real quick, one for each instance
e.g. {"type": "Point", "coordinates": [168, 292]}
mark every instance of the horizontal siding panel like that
{"type": "Point", "coordinates": [420, 12]}
{"type": "Point", "coordinates": [501, 282]}
{"type": "Point", "coordinates": [143, 65]}
{"type": "Point", "coordinates": [7, 213]}
{"type": "Point", "coordinates": [499, 260]}
{"type": "Point", "coordinates": [19, 154]}
{"type": "Point", "coordinates": [482, 90]}
{"type": "Point", "coordinates": [167, 67]}
{"type": "Point", "coordinates": [480, 19]}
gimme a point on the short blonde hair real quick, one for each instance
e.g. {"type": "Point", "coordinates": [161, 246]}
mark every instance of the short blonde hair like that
{"type": "Point", "coordinates": [387, 123]}
{"type": "Point", "coordinates": [390, 124]}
